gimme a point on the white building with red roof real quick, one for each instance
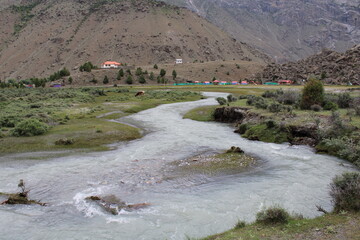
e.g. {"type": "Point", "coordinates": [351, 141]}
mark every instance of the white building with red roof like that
{"type": "Point", "coordinates": [110, 64]}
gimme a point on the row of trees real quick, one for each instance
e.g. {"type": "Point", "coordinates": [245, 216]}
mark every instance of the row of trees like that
{"type": "Point", "coordinates": [38, 82]}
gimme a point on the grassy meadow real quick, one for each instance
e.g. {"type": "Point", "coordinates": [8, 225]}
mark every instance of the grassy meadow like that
{"type": "Point", "coordinates": [74, 118]}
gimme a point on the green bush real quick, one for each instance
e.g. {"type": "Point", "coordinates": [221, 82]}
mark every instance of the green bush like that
{"type": "Point", "coordinates": [221, 100]}
{"type": "Point", "coordinates": [345, 192]}
{"type": "Point", "coordinates": [275, 107]}
{"type": "Point", "coordinates": [313, 93]}
{"type": "Point", "coordinates": [316, 108]}
{"type": "Point", "coordinates": [344, 100]}
{"type": "Point", "coordinates": [273, 215]}
{"type": "Point", "coordinates": [152, 76]}
{"type": "Point", "coordinates": [243, 128]}
{"type": "Point", "coordinates": [87, 67]}
{"type": "Point", "coordinates": [141, 79]}
{"type": "Point", "coordinates": [270, 123]}
{"type": "Point", "coordinates": [139, 71]}
{"type": "Point", "coordinates": [289, 97]}
{"type": "Point", "coordinates": [162, 73]}
{"type": "Point", "coordinates": [331, 106]}
{"type": "Point", "coordinates": [344, 147]}
{"type": "Point", "coordinates": [106, 80]}
{"type": "Point", "coordinates": [129, 80]}
{"type": "Point", "coordinates": [240, 224]}
{"type": "Point", "coordinates": [30, 127]}
{"type": "Point", "coordinates": [120, 74]}
{"type": "Point", "coordinates": [269, 94]}
{"type": "Point", "coordinates": [231, 98]}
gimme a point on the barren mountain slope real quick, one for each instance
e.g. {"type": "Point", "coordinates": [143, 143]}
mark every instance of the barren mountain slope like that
{"type": "Point", "coordinates": [43, 36]}
{"type": "Point", "coordinates": [333, 67]}
{"type": "Point", "coordinates": [285, 29]}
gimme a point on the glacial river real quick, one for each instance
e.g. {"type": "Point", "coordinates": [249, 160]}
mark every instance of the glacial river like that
{"type": "Point", "coordinates": [188, 205]}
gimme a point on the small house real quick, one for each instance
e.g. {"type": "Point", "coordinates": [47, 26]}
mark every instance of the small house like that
{"type": "Point", "coordinates": [223, 82]}
{"type": "Point", "coordinates": [178, 61]}
{"type": "Point", "coordinates": [244, 82]}
{"type": "Point", "coordinates": [234, 83]}
{"type": "Point", "coordinates": [110, 64]}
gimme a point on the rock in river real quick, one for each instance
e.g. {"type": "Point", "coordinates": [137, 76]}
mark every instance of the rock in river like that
{"type": "Point", "coordinates": [113, 204]}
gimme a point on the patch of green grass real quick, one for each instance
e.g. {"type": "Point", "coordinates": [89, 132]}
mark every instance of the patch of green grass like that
{"type": "Point", "coordinates": [205, 113]}
{"type": "Point", "coordinates": [324, 227]}
{"type": "Point", "coordinates": [218, 163]}
{"type": "Point", "coordinates": [89, 133]}
{"type": "Point", "coordinates": [262, 133]}
{"type": "Point", "coordinates": [73, 114]}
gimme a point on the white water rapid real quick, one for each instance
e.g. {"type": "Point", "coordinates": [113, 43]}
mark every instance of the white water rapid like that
{"type": "Point", "coordinates": [192, 205]}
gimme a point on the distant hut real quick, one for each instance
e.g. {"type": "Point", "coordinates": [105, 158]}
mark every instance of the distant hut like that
{"type": "Point", "coordinates": [110, 64]}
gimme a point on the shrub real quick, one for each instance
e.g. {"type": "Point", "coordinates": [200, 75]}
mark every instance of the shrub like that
{"type": "Point", "coordinates": [30, 127]}
{"type": "Point", "coordinates": [243, 128]}
{"type": "Point", "coordinates": [231, 98]}
{"type": "Point", "coordinates": [345, 192]}
{"type": "Point", "coordinates": [87, 67]}
{"type": "Point", "coordinates": [120, 74]}
{"type": "Point", "coordinates": [331, 106]}
{"type": "Point", "coordinates": [152, 76]}
{"type": "Point", "coordinates": [316, 108]}
{"type": "Point", "coordinates": [289, 98]}
{"type": "Point", "coordinates": [139, 71]}
{"type": "Point", "coordinates": [240, 224]}
{"type": "Point", "coordinates": [272, 215]}
{"type": "Point", "coordinates": [174, 74]}
{"type": "Point", "coordinates": [343, 147]}
{"type": "Point", "coordinates": [64, 72]}
{"type": "Point", "coordinates": [269, 94]}
{"type": "Point", "coordinates": [275, 107]}
{"type": "Point", "coordinates": [162, 73]}
{"type": "Point", "coordinates": [313, 93]}
{"type": "Point", "coordinates": [142, 79]}
{"type": "Point", "coordinates": [106, 80]}
{"type": "Point", "coordinates": [98, 92]}
{"type": "Point", "coordinates": [344, 100]}
{"type": "Point", "coordinates": [64, 141]}
{"type": "Point", "coordinates": [270, 123]}
{"type": "Point", "coordinates": [156, 66]}
{"type": "Point", "coordinates": [221, 100]}
{"type": "Point", "coordinates": [258, 102]}
{"type": "Point", "coordinates": [129, 80]}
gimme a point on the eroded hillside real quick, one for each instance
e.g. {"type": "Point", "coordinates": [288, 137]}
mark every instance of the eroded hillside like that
{"type": "Point", "coordinates": [41, 37]}
{"type": "Point", "coordinates": [285, 29]}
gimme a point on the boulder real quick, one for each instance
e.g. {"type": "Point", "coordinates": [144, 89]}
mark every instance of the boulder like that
{"type": "Point", "coordinates": [234, 149]}
{"type": "Point", "coordinates": [114, 205]}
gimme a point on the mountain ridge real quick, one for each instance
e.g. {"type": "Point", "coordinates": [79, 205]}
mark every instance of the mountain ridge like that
{"type": "Point", "coordinates": [286, 30]}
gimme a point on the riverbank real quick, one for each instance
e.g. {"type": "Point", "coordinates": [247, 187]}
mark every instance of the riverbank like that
{"type": "Point", "coordinates": [329, 226]}
{"type": "Point", "coordinates": [78, 118]}
{"type": "Point", "coordinates": [276, 117]}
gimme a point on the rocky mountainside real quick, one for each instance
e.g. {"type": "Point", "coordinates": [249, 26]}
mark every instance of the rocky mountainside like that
{"type": "Point", "coordinates": [332, 67]}
{"type": "Point", "coordinates": [39, 37]}
{"type": "Point", "coordinates": [285, 29]}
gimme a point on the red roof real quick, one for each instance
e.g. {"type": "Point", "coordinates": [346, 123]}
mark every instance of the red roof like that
{"type": "Point", "coordinates": [111, 63]}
